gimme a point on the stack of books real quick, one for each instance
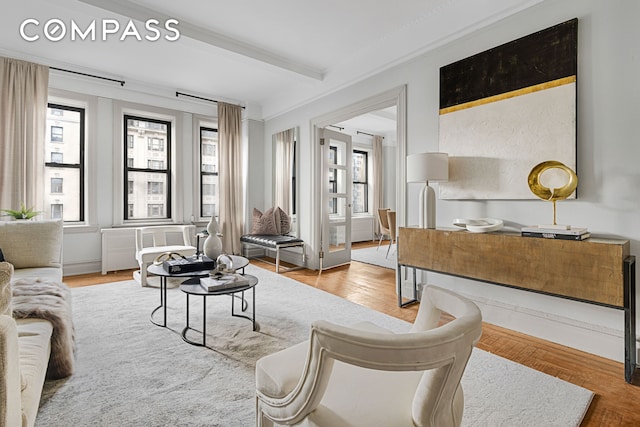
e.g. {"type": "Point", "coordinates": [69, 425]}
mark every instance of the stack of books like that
{"type": "Point", "coordinates": [573, 233]}
{"type": "Point", "coordinates": [217, 282]}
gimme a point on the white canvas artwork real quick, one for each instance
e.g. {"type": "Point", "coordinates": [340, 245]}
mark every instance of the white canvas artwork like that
{"type": "Point", "coordinates": [507, 109]}
{"type": "Point", "coordinates": [492, 147]}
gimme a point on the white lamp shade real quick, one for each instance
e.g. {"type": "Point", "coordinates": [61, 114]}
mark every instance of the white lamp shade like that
{"type": "Point", "coordinates": [428, 167]}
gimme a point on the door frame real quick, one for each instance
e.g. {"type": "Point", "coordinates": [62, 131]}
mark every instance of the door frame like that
{"type": "Point", "coordinates": [393, 97]}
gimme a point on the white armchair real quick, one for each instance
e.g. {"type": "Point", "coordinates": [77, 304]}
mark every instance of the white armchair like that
{"type": "Point", "coordinates": [368, 376]}
{"type": "Point", "coordinates": [159, 238]}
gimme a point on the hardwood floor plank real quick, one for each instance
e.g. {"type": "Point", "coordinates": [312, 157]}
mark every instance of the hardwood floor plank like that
{"type": "Point", "coordinates": [616, 403]}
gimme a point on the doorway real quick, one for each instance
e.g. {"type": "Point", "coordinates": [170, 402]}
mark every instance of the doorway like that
{"type": "Point", "coordinates": [374, 137]}
{"type": "Point", "coordinates": [395, 98]}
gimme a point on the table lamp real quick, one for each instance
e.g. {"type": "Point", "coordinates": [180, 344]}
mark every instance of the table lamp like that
{"type": "Point", "coordinates": [428, 167]}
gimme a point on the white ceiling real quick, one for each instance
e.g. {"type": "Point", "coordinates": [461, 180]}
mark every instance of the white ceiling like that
{"type": "Point", "coordinates": [381, 122]}
{"type": "Point", "coordinates": [276, 54]}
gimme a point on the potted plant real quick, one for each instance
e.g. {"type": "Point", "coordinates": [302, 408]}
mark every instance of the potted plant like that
{"type": "Point", "coordinates": [23, 213]}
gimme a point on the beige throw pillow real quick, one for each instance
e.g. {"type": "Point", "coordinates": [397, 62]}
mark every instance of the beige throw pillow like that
{"type": "Point", "coordinates": [29, 244]}
{"type": "Point", "coordinates": [283, 221]}
{"type": "Point", "coordinates": [264, 223]}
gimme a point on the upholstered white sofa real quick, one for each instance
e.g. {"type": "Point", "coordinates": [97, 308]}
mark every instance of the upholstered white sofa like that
{"type": "Point", "coordinates": [33, 254]}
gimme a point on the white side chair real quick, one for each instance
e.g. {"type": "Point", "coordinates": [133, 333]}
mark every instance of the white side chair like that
{"type": "Point", "coordinates": [368, 376]}
{"type": "Point", "coordinates": [159, 238]}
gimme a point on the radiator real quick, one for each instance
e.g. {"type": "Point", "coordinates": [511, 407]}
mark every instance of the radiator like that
{"type": "Point", "coordinates": [118, 249]}
{"type": "Point", "coordinates": [362, 229]}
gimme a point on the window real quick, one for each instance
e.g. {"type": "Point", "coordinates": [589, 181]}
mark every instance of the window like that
{"type": "Point", "coordinates": [209, 188]}
{"type": "Point", "coordinates": [56, 211]}
{"type": "Point", "coordinates": [66, 163]}
{"type": "Point", "coordinates": [154, 187]}
{"type": "Point", "coordinates": [360, 182]}
{"type": "Point", "coordinates": [155, 210]}
{"type": "Point", "coordinates": [56, 157]}
{"type": "Point", "coordinates": [208, 210]}
{"type": "Point", "coordinates": [56, 133]}
{"type": "Point", "coordinates": [155, 164]}
{"type": "Point", "coordinates": [208, 171]}
{"type": "Point", "coordinates": [155, 144]}
{"type": "Point", "coordinates": [147, 167]}
{"type": "Point", "coordinates": [56, 185]}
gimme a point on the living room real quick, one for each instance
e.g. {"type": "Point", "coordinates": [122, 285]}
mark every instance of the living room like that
{"type": "Point", "coordinates": [606, 202]}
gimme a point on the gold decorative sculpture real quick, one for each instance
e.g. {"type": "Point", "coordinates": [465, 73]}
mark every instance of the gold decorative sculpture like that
{"type": "Point", "coordinates": [549, 194]}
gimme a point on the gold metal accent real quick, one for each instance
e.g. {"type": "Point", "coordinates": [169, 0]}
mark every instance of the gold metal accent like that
{"type": "Point", "coordinates": [555, 194]}
{"type": "Point", "coordinates": [511, 94]}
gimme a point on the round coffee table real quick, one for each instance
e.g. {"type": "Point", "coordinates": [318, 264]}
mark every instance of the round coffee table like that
{"type": "Point", "coordinates": [158, 270]}
{"type": "Point", "coordinates": [192, 287]}
{"type": "Point", "coordinates": [239, 263]}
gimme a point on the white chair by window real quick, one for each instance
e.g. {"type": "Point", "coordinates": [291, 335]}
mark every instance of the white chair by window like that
{"type": "Point", "coordinates": [159, 236]}
{"type": "Point", "coordinates": [368, 376]}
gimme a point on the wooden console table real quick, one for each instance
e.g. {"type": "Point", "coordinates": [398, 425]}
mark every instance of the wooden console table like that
{"type": "Point", "coordinates": [595, 271]}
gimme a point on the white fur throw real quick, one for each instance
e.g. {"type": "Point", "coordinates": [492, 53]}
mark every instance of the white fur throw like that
{"type": "Point", "coordinates": [37, 298]}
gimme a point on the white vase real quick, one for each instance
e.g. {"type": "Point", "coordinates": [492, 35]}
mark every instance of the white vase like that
{"type": "Point", "coordinates": [212, 247]}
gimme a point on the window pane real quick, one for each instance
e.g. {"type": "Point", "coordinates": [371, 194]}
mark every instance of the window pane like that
{"type": "Point", "coordinates": [147, 146]}
{"type": "Point", "coordinates": [208, 172]}
{"type": "Point", "coordinates": [359, 198]}
{"type": "Point", "coordinates": [359, 166]}
{"type": "Point", "coordinates": [67, 126]}
{"type": "Point", "coordinates": [146, 198]}
{"type": "Point", "coordinates": [360, 190]}
{"type": "Point", "coordinates": [64, 168]}
{"type": "Point", "coordinates": [148, 149]}
{"type": "Point", "coordinates": [64, 191]}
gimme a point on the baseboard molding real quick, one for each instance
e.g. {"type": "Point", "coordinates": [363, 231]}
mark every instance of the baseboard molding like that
{"type": "Point", "coordinates": [584, 336]}
{"type": "Point", "coordinates": [591, 338]}
{"type": "Point", "coordinates": [75, 269]}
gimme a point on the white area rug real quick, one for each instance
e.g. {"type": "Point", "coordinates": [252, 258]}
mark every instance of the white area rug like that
{"type": "Point", "coordinates": [375, 256]}
{"type": "Point", "coordinates": [133, 373]}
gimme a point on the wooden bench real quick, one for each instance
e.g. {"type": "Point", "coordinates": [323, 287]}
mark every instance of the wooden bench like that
{"type": "Point", "coordinates": [275, 242]}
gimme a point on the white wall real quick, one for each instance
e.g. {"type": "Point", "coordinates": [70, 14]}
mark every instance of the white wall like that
{"type": "Point", "coordinates": [608, 203]}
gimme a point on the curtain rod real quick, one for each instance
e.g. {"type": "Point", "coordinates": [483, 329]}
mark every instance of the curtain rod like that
{"type": "Point", "coordinates": [122, 82]}
{"type": "Point", "coordinates": [365, 133]}
{"type": "Point", "coordinates": [199, 97]}
{"type": "Point", "coordinates": [334, 126]}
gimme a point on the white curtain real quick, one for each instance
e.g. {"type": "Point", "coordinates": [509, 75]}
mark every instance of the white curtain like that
{"type": "Point", "coordinates": [23, 115]}
{"type": "Point", "coordinates": [231, 176]}
{"type": "Point", "coordinates": [378, 193]}
{"type": "Point", "coordinates": [284, 169]}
